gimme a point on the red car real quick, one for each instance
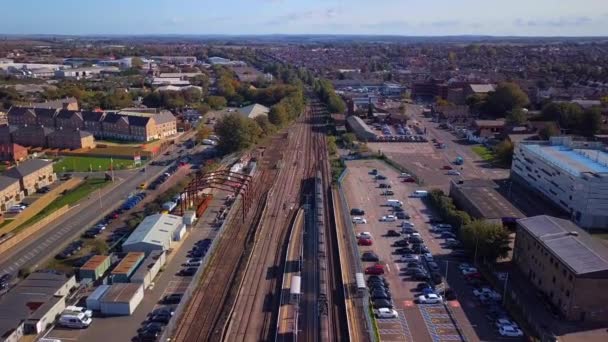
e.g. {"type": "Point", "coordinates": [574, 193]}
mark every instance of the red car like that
{"type": "Point", "coordinates": [375, 270]}
{"type": "Point", "coordinates": [446, 167]}
{"type": "Point", "coordinates": [409, 180]}
{"type": "Point", "coordinates": [364, 242]}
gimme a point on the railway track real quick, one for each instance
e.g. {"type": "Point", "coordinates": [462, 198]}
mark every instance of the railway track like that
{"type": "Point", "coordinates": [258, 298]}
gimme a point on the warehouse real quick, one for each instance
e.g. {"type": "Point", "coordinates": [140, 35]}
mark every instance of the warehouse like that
{"type": "Point", "coordinates": [121, 299]}
{"type": "Point", "coordinates": [126, 267]}
{"type": "Point", "coordinates": [93, 300]}
{"type": "Point", "coordinates": [155, 232]}
{"type": "Point", "coordinates": [480, 199]}
{"type": "Point", "coordinates": [95, 267]}
{"type": "Point", "coordinates": [149, 268]}
{"type": "Point", "coordinates": [361, 129]}
{"type": "Point", "coordinates": [32, 305]}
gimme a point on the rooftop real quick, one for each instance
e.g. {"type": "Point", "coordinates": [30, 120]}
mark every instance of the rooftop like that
{"type": "Point", "coordinates": [128, 263]}
{"type": "Point", "coordinates": [482, 194]}
{"type": "Point", "coordinates": [154, 229]}
{"type": "Point", "coordinates": [254, 110]}
{"type": "Point", "coordinates": [94, 262]}
{"type": "Point", "coordinates": [573, 160]}
{"type": "Point", "coordinates": [27, 167]}
{"type": "Point", "coordinates": [120, 293]}
{"type": "Point", "coordinates": [574, 247]}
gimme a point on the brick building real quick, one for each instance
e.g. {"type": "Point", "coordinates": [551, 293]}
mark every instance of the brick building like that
{"type": "Point", "coordinates": [12, 152]}
{"type": "Point", "coordinates": [566, 264]}
{"type": "Point", "coordinates": [70, 139]}
{"type": "Point", "coordinates": [36, 136]}
{"type": "Point", "coordinates": [32, 174]}
{"type": "Point", "coordinates": [10, 192]}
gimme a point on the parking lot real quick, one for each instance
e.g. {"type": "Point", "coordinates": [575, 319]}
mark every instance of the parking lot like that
{"type": "Point", "coordinates": [166, 283]}
{"type": "Point", "coordinates": [462, 316]}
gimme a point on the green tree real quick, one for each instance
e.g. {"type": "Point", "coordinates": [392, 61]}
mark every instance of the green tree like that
{"type": "Point", "coordinates": [550, 130]}
{"type": "Point", "coordinates": [516, 117]}
{"type": "Point", "coordinates": [504, 152]}
{"type": "Point", "coordinates": [332, 148]}
{"type": "Point", "coordinates": [203, 132]}
{"type": "Point", "coordinates": [591, 122]}
{"type": "Point", "coordinates": [505, 98]}
{"type": "Point", "coordinates": [236, 133]}
{"type": "Point", "coordinates": [217, 102]}
{"type": "Point", "coordinates": [349, 139]}
{"type": "Point", "coordinates": [278, 115]}
{"type": "Point", "coordinates": [264, 123]}
{"type": "Point", "coordinates": [137, 63]}
{"type": "Point", "coordinates": [488, 241]}
{"type": "Point", "coordinates": [568, 115]}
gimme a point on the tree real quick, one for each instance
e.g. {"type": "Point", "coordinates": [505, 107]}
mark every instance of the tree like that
{"type": "Point", "coordinates": [486, 240]}
{"type": "Point", "coordinates": [217, 102]}
{"type": "Point", "coordinates": [332, 148]}
{"type": "Point", "coordinates": [504, 152]}
{"type": "Point", "coordinates": [278, 115]}
{"type": "Point", "coordinates": [516, 117]}
{"type": "Point", "coordinates": [591, 122]}
{"type": "Point", "coordinates": [550, 130]}
{"type": "Point", "coordinates": [569, 115]}
{"type": "Point", "coordinates": [236, 133]}
{"type": "Point", "coordinates": [349, 138]}
{"type": "Point", "coordinates": [203, 132]}
{"type": "Point", "coordinates": [505, 98]}
{"type": "Point", "coordinates": [264, 123]}
{"type": "Point", "coordinates": [137, 63]}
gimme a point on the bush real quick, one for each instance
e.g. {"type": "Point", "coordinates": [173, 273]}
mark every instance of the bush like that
{"type": "Point", "coordinates": [447, 209]}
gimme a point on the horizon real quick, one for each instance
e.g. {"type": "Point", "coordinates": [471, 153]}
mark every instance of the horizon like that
{"type": "Point", "coordinates": [541, 18]}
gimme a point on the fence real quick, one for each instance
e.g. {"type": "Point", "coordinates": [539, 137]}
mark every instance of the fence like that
{"type": "Point", "coordinates": [34, 228]}
{"type": "Point", "coordinates": [194, 283]}
{"type": "Point", "coordinates": [364, 305]}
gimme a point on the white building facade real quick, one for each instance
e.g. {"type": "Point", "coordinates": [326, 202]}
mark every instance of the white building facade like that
{"type": "Point", "coordinates": [573, 175]}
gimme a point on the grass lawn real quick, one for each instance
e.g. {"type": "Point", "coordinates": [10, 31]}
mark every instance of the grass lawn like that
{"type": "Point", "coordinates": [69, 198]}
{"type": "Point", "coordinates": [84, 164]}
{"type": "Point", "coordinates": [484, 152]}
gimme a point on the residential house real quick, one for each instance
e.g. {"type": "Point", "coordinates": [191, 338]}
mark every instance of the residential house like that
{"type": "Point", "coordinates": [10, 193]}
{"type": "Point", "coordinates": [115, 126]}
{"type": "Point", "coordinates": [45, 116]}
{"type": "Point", "coordinates": [69, 103]}
{"type": "Point", "coordinates": [32, 174]}
{"type": "Point", "coordinates": [69, 119]}
{"type": "Point", "coordinates": [21, 116]}
{"type": "Point", "coordinates": [92, 122]}
{"type": "Point", "coordinates": [478, 89]}
{"type": "Point", "coordinates": [70, 139]}
{"type": "Point", "coordinates": [31, 136]}
{"type": "Point", "coordinates": [166, 124]}
{"type": "Point", "coordinates": [488, 129]}
{"type": "Point", "coordinates": [142, 128]}
{"type": "Point", "coordinates": [12, 152]}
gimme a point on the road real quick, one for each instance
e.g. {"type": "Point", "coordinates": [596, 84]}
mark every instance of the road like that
{"type": "Point", "coordinates": [36, 249]}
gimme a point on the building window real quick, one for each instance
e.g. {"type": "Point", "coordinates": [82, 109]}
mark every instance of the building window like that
{"type": "Point", "coordinates": [567, 293]}
{"type": "Point", "coordinates": [570, 277]}
{"type": "Point", "coordinates": [553, 280]}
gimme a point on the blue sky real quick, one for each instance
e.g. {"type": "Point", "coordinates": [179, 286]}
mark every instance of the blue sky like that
{"type": "Point", "coordinates": [401, 17]}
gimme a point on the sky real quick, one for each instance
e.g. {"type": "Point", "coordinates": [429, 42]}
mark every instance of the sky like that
{"type": "Point", "coordinates": [394, 17]}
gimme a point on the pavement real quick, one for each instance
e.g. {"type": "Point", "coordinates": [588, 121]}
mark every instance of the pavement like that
{"type": "Point", "coordinates": [167, 282]}
{"type": "Point", "coordinates": [417, 322]}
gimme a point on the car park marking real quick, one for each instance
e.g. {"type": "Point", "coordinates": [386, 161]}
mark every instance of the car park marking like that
{"type": "Point", "coordinates": [408, 303]}
{"type": "Point", "coordinates": [454, 303]}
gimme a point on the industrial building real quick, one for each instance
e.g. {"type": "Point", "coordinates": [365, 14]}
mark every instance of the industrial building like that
{"type": "Point", "coordinates": [32, 305]}
{"type": "Point", "coordinates": [116, 300]}
{"type": "Point", "coordinates": [571, 174]}
{"type": "Point", "coordinates": [95, 267]}
{"type": "Point", "coordinates": [149, 268]}
{"type": "Point", "coordinates": [566, 264]}
{"type": "Point", "coordinates": [126, 267]}
{"type": "Point", "coordinates": [361, 129]}
{"type": "Point", "coordinates": [155, 232]}
{"type": "Point", "coordinates": [480, 199]}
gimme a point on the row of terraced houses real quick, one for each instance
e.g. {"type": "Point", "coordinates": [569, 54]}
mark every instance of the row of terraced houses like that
{"type": "Point", "coordinates": [65, 128]}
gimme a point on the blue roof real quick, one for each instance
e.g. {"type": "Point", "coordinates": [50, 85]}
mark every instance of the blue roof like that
{"type": "Point", "coordinates": [575, 161]}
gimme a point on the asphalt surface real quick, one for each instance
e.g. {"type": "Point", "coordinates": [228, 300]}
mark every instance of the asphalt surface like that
{"type": "Point", "coordinates": [416, 322]}
{"type": "Point", "coordinates": [33, 252]}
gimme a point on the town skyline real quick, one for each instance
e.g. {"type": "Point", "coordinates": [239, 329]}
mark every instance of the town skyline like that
{"type": "Point", "coordinates": [263, 17]}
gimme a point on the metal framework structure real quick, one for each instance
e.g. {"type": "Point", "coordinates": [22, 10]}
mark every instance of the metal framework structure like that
{"type": "Point", "coordinates": [237, 183]}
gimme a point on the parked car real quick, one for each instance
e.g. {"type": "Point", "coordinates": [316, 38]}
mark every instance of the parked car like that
{"type": "Point", "coordinates": [380, 177]}
{"type": "Point", "coordinates": [384, 186]}
{"type": "Point", "coordinates": [364, 242]}
{"type": "Point", "coordinates": [393, 233]}
{"type": "Point", "coordinates": [43, 190]}
{"type": "Point", "coordinates": [409, 180]}
{"type": "Point", "coordinates": [453, 173]}
{"type": "Point", "coordinates": [173, 298]}
{"type": "Point", "coordinates": [388, 218]}
{"type": "Point", "coordinates": [357, 211]}
{"type": "Point", "coordinates": [375, 270]}
{"type": "Point", "coordinates": [429, 299]}
{"type": "Point", "coordinates": [369, 256]}
{"type": "Point", "coordinates": [510, 331]}
{"type": "Point", "coordinates": [404, 250]}
{"type": "Point", "coordinates": [382, 303]}
{"type": "Point", "coordinates": [402, 215]}
{"type": "Point", "coordinates": [410, 258]}
{"type": "Point", "coordinates": [386, 313]}
{"type": "Point", "coordinates": [359, 220]}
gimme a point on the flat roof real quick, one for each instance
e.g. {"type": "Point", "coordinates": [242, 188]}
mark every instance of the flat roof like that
{"type": "Point", "coordinates": [94, 262]}
{"type": "Point", "coordinates": [573, 246]}
{"type": "Point", "coordinates": [489, 202]}
{"type": "Point", "coordinates": [128, 263]}
{"type": "Point", "coordinates": [155, 228]}
{"type": "Point", "coordinates": [121, 293]}
{"type": "Point", "coordinates": [575, 161]}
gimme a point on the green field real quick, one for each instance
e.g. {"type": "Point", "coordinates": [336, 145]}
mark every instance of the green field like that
{"type": "Point", "coordinates": [485, 153]}
{"type": "Point", "coordinates": [88, 164]}
{"type": "Point", "coordinates": [71, 197]}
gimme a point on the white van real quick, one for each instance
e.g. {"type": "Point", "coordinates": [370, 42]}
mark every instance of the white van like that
{"type": "Point", "coordinates": [420, 193]}
{"type": "Point", "coordinates": [73, 309]}
{"type": "Point", "coordinates": [75, 321]}
{"type": "Point", "coordinates": [394, 203]}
